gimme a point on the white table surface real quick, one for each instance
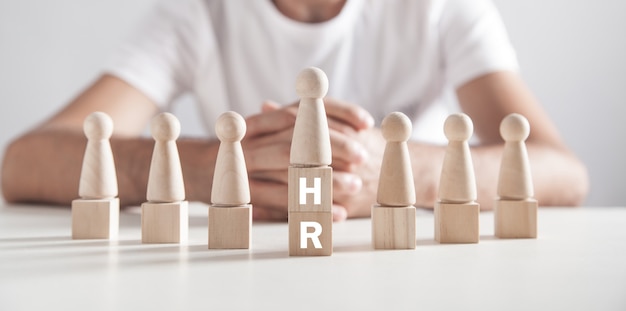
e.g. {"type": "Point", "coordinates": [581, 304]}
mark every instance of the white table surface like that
{"type": "Point", "coordinates": [578, 263]}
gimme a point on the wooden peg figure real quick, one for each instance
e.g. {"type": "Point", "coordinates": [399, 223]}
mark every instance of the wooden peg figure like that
{"type": "Point", "coordinates": [98, 179]}
{"type": "Point", "coordinates": [164, 218]}
{"type": "Point", "coordinates": [310, 175]}
{"type": "Point", "coordinates": [393, 218]}
{"type": "Point", "coordinates": [96, 214]}
{"type": "Point", "coordinates": [515, 211]}
{"type": "Point", "coordinates": [311, 139]}
{"type": "Point", "coordinates": [456, 212]}
{"type": "Point", "coordinates": [230, 215]}
{"type": "Point", "coordinates": [165, 182]}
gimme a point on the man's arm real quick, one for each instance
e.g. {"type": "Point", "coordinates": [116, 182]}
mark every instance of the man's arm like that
{"type": "Point", "coordinates": [44, 164]}
{"type": "Point", "coordinates": [559, 177]}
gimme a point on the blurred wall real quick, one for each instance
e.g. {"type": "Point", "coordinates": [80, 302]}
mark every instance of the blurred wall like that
{"type": "Point", "coordinates": [572, 55]}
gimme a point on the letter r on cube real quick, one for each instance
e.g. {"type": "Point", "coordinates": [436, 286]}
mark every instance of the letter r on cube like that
{"type": "Point", "coordinates": [314, 236]}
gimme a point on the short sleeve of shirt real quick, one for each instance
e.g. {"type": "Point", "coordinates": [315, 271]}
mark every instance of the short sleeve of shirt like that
{"type": "Point", "coordinates": [161, 57]}
{"type": "Point", "coordinates": [475, 41]}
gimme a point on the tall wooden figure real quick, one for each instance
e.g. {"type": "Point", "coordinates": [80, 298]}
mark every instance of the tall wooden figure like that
{"type": "Point", "coordinates": [230, 214]}
{"type": "Point", "coordinates": [515, 210]}
{"type": "Point", "coordinates": [310, 175]}
{"type": "Point", "coordinates": [96, 214]}
{"type": "Point", "coordinates": [456, 211]}
{"type": "Point", "coordinates": [393, 218]}
{"type": "Point", "coordinates": [164, 218]}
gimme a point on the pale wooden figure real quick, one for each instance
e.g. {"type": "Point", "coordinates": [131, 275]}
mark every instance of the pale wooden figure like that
{"type": "Point", "coordinates": [310, 176]}
{"type": "Point", "coordinates": [311, 139]}
{"type": "Point", "coordinates": [456, 211]}
{"type": "Point", "coordinates": [230, 215]}
{"type": "Point", "coordinates": [393, 218]}
{"type": "Point", "coordinates": [164, 218]}
{"type": "Point", "coordinates": [96, 214]}
{"type": "Point", "coordinates": [515, 210]}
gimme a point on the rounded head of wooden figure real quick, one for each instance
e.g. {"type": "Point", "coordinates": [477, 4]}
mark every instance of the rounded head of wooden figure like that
{"type": "Point", "coordinates": [311, 83]}
{"type": "Point", "coordinates": [98, 126]}
{"type": "Point", "coordinates": [458, 127]}
{"type": "Point", "coordinates": [514, 127]}
{"type": "Point", "coordinates": [230, 127]}
{"type": "Point", "coordinates": [396, 127]}
{"type": "Point", "coordinates": [165, 126]}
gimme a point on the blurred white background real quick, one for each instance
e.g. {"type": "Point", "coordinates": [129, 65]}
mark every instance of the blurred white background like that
{"type": "Point", "coordinates": [573, 56]}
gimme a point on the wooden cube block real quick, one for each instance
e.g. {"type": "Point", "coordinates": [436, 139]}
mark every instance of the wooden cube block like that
{"type": "Point", "coordinates": [393, 227]}
{"type": "Point", "coordinates": [95, 219]}
{"type": "Point", "coordinates": [229, 227]}
{"type": "Point", "coordinates": [456, 222]}
{"type": "Point", "coordinates": [310, 189]}
{"type": "Point", "coordinates": [310, 234]}
{"type": "Point", "coordinates": [516, 218]}
{"type": "Point", "coordinates": [164, 222]}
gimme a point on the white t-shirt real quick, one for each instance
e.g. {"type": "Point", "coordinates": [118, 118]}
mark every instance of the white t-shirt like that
{"type": "Point", "coordinates": [392, 55]}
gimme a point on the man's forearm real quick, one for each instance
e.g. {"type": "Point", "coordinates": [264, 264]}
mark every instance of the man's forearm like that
{"type": "Point", "coordinates": [44, 166]}
{"type": "Point", "coordinates": [558, 177]}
